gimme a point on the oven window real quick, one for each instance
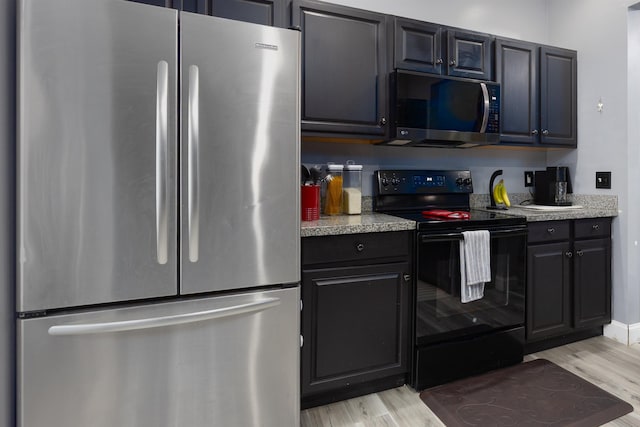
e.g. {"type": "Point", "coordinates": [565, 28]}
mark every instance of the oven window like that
{"type": "Point", "coordinates": [441, 315]}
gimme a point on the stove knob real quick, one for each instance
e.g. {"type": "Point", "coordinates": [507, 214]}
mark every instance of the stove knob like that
{"type": "Point", "coordinates": [467, 181]}
{"type": "Point", "coordinates": [395, 181]}
{"type": "Point", "coordinates": [385, 182]}
{"type": "Point", "coordinates": [459, 182]}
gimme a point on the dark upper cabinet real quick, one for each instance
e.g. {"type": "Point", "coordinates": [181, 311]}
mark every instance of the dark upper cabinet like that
{"type": "Point", "coordinates": [539, 94]}
{"type": "Point", "coordinates": [469, 54]}
{"type": "Point", "coordinates": [431, 48]}
{"type": "Point", "coordinates": [344, 68]}
{"type": "Point", "coordinates": [417, 46]}
{"type": "Point", "coordinates": [175, 4]}
{"type": "Point", "coordinates": [517, 72]}
{"type": "Point", "coordinates": [558, 97]}
{"type": "Point", "coordinates": [265, 12]}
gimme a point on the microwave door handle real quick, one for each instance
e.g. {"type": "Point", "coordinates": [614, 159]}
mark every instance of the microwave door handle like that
{"type": "Point", "coordinates": [485, 116]}
{"type": "Point", "coordinates": [193, 142]}
{"type": "Point", "coordinates": [162, 162]}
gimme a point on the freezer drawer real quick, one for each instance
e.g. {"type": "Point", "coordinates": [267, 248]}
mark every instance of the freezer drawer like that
{"type": "Point", "coordinates": [225, 361]}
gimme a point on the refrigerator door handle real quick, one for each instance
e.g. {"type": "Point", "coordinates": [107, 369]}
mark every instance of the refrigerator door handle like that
{"type": "Point", "coordinates": [155, 322]}
{"type": "Point", "coordinates": [193, 139]}
{"type": "Point", "coordinates": [162, 162]}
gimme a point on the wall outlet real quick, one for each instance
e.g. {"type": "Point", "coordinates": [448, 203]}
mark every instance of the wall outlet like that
{"type": "Point", "coordinates": [603, 179]}
{"type": "Point", "coordinates": [528, 179]}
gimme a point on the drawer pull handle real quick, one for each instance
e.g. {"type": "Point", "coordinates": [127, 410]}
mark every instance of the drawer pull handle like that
{"type": "Point", "coordinates": [579, 252]}
{"type": "Point", "coordinates": [360, 247]}
{"type": "Point", "coordinates": [569, 254]}
{"type": "Point", "coordinates": [551, 230]}
{"type": "Point", "coordinates": [596, 227]}
{"type": "Point", "coordinates": [407, 277]}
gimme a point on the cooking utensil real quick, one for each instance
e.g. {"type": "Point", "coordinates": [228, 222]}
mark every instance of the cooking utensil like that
{"type": "Point", "coordinates": [305, 174]}
{"type": "Point", "coordinates": [316, 175]}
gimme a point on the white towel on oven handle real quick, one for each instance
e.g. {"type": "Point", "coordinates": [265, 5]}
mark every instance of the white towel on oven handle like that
{"type": "Point", "coordinates": [475, 264]}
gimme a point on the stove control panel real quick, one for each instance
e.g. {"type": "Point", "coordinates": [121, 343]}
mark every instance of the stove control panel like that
{"type": "Point", "coordinates": [423, 182]}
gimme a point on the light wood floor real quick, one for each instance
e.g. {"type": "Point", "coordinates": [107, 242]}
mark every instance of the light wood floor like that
{"type": "Point", "coordinates": [609, 365]}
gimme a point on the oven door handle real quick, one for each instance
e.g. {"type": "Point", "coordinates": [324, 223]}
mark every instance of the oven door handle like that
{"type": "Point", "coordinates": [458, 235]}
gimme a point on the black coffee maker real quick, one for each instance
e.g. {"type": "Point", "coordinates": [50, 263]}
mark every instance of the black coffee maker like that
{"type": "Point", "coordinates": [553, 186]}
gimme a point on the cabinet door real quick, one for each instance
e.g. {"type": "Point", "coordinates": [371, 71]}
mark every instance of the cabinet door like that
{"type": "Point", "coordinates": [548, 290]}
{"type": "Point", "coordinates": [469, 55]}
{"type": "Point", "coordinates": [558, 97]}
{"type": "Point", "coordinates": [592, 282]}
{"type": "Point", "coordinates": [417, 46]}
{"type": "Point", "coordinates": [354, 324]}
{"type": "Point", "coordinates": [265, 12]}
{"type": "Point", "coordinates": [344, 71]}
{"type": "Point", "coordinates": [517, 73]}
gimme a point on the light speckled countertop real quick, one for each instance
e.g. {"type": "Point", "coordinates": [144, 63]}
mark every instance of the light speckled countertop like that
{"type": "Point", "coordinates": [368, 222]}
{"type": "Point", "coordinates": [371, 222]}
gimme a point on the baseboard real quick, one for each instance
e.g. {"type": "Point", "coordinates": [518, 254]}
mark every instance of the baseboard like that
{"type": "Point", "coordinates": [634, 334]}
{"type": "Point", "coordinates": [623, 333]}
{"type": "Point", "coordinates": [618, 331]}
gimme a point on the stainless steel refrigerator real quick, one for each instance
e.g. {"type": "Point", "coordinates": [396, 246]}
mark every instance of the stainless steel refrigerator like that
{"type": "Point", "coordinates": [158, 218]}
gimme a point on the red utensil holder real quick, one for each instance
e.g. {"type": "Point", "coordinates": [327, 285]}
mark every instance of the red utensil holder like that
{"type": "Point", "coordinates": [310, 200]}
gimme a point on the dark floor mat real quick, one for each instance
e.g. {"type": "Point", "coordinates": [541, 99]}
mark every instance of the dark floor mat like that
{"type": "Point", "coordinates": [535, 393]}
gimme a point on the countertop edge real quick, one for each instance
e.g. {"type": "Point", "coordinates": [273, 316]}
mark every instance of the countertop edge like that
{"type": "Point", "coordinates": [372, 222]}
{"type": "Point", "coordinates": [355, 224]}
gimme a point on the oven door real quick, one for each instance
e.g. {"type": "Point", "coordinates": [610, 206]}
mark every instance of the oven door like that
{"type": "Point", "coordinates": [440, 314]}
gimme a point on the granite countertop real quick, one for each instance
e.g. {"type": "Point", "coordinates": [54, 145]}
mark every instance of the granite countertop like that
{"type": "Point", "coordinates": [592, 207]}
{"type": "Point", "coordinates": [369, 222]}
{"type": "Point", "coordinates": [558, 215]}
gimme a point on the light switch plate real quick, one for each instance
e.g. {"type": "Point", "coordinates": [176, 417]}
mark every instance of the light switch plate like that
{"type": "Point", "coordinates": [603, 179]}
{"type": "Point", "coordinates": [528, 179]}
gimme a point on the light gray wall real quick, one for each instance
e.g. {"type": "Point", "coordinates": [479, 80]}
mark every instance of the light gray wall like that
{"type": "Point", "coordinates": [599, 30]}
{"type": "Point", "coordinates": [522, 19]}
{"type": "Point", "coordinates": [7, 171]}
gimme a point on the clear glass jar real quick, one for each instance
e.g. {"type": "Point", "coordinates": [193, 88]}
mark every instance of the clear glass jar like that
{"type": "Point", "coordinates": [352, 188]}
{"type": "Point", "coordinates": [333, 189]}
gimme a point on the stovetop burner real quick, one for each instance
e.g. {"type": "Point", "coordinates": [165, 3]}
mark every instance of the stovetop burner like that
{"type": "Point", "coordinates": [409, 193]}
{"type": "Point", "coordinates": [478, 219]}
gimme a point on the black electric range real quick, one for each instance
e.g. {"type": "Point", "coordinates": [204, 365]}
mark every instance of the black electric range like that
{"type": "Point", "coordinates": [451, 338]}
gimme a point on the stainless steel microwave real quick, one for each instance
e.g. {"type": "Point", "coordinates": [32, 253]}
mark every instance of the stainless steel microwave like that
{"type": "Point", "coordinates": [440, 111]}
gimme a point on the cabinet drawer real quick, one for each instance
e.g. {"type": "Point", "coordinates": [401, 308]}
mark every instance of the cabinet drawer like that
{"type": "Point", "coordinates": [353, 247]}
{"type": "Point", "coordinates": [592, 227]}
{"type": "Point", "coordinates": [548, 231]}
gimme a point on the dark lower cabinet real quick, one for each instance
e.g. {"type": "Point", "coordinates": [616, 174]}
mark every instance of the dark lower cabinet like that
{"type": "Point", "coordinates": [568, 279]}
{"type": "Point", "coordinates": [355, 316]}
{"type": "Point", "coordinates": [592, 282]}
{"type": "Point", "coordinates": [548, 290]}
